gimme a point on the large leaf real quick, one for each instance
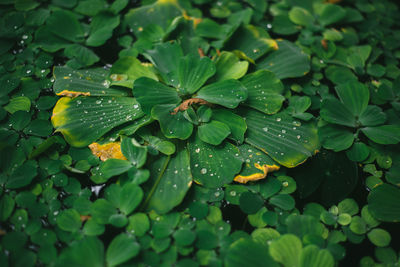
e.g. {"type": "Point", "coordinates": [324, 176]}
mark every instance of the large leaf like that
{"type": "Point", "coordinates": [193, 72]}
{"type": "Point", "coordinates": [227, 93]}
{"type": "Point", "coordinates": [286, 62]}
{"type": "Point", "coordinates": [252, 41]}
{"type": "Point", "coordinates": [82, 120]}
{"type": "Point", "coordinates": [92, 82]}
{"type": "Point", "coordinates": [172, 125]}
{"type": "Point", "coordinates": [213, 166]}
{"type": "Point", "coordinates": [264, 91]}
{"type": "Point", "coordinates": [165, 58]}
{"type": "Point", "coordinates": [385, 134]}
{"type": "Point", "coordinates": [171, 178]}
{"type": "Point", "coordinates": [287, 141]}
{"type": "Point", "coordinates": [384, 204]}
{"type": "Point", "coordinates": [237, 124]}
{"type": "Point", "coordinates": [354, 95]}
{"type": "Point", "coordinates": [149, 93]}
{"type": "Point", "coordinates": [132, 68]}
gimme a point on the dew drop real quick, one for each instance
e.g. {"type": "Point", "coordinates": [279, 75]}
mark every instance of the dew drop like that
{"type": "Point", "coordinates": [203, 171]}
{"type": "Point", "coordinates": [233, 193]}
{"type": "Point", "coordinates": [278, 119]}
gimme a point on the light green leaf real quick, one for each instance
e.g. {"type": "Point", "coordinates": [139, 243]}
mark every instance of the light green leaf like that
{"type": "Point", "coordinates": [130, 197]}
{"type": "Point", "coordinates": [213, 132]}
{"type": "Point", "coordinates": [264, 91]}
{"type": "Point", "coordinates": [314, 256]}
{"type": "Point", "coordinates": [193, 72]}
{"type": "Point", "coordinates": [172, 125]}
{"type": "Point", "coordinates": [213, 166]}
{"type": "Point", "coordinates": [135, 153]}
{"type": "Point", "coordinates": [329, 13]}
{"type": "Point", "coordinates": [150, 93]}
{"type": "Point", "coordinates": [101, 28]}
{"type": "Point", "coordinates": [289, 61]}
{"type": "Point", "coordinates": [18, 103]}
{"type": "Point", "coordinates": [113, 167]}
{"type": "Point", "coordinates": [227, 93]}
{"type": "Point", "coordinates": [287, 141]}
{"type": "Point", "coordinates": [385, 134]}
{"type": "Point", "coordinates": [286, 250]}
{"type": "Point", "coordinates": [379, 237]}
{"type": "Point", "coordinates": [301, 16]}
{"type": "Point", "coordinates": [82, 120]}
{"type": "Point", "coordinates": [131, 67]}
{"type": "Point", "coordinates": [69, 220]}
{"type": "Point", "coordinates": [229, 66]}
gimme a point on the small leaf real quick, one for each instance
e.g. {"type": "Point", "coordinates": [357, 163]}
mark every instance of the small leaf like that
{"type": "Point", "coordinates": [379, 237]}
{"type": "Point", "coordinates": [354, 95]}
{"type": "Point", "coordinates": [229, 67]}
{"type": "Point", "coordinates": [301, 16]}
{"type": "Point", "coordinates": [236, 124]}
{"type": "Point", "coordinates": [311, 255]}
{"type": "Point", "coordinates": [358, 152]}
{"type": "Point", "coordinates": [69, 220]}
{"type": "Point", "coordinates": [383, 203]}
{"type": "Point", "coordinates": [114, 167]}
{"type": "Point", "coordinates": [71, 31]}
{"type": "Point", "coordinates": [330, 13]}
{"type": "Point", "coordinates": [18, 103]}
{"type": "Point", "coordinates": [335, 137]}
{"type": "Point", "coordinates": [385, 134]}
{"type": "Point", "coordinates": [334, 111]}
{"type": "Point", "coordinates": [135, 153]}
{"type": "Point", "coordinates": [372, 116]}
{"type": "Point", "coordinates": [286, 250]}
{"type": "Point", "coordinates": [130, 197]}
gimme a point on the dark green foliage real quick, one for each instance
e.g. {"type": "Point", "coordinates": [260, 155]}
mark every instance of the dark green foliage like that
{"type": "Point", "coordinates": [199, 133]}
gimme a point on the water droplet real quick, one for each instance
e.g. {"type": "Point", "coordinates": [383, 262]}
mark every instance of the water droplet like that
{"type": "Point", "coordinates": [216, 194]}
{"type": "Point", "coordinates": [296, 123]}
{"type": "Point", "coordinates": [298, 137]}
{"type": "Point", "coordinates": [176, 171]}
{"type": "Point", "coordinates": [28, 71]}
{"type": "Point", "coordinates": [285, 184]}
{"type": "Point", "coordinates": [98, 102]}
{"type": "Point", "coordinates": [197, 150]}
{"type": "Point", "coordinates": [283, 131]}
{"type": "Point", "coordinates": [233, 193]}
{"type": "Point", "coordinates": [79, 102]}
{"type": "Point", "coordinates": [278, 119]}
{"type": "Point", "coordinates": [175, 186]}
{"type": "Point", "coordinates": [203, 171]}
{"type": "Point", "coordinates": [265, 129]}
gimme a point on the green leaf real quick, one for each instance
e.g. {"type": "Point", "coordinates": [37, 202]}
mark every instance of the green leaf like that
{"type": "Point", "coordinates": [358, 152]}
{"type": "Point", "coordinates": [101, 28]}
{"type": "Point", "coordinates": [379, 237]}
{"type": "Point", "coordinates": [246, 252]}
{"type": "Point", "coordinates": [23, 175]}
{"type": "Point", "coordinates": [25, 5]}
{"type": "Point", "coordinates": [354, 95]}
{"type": "Point", "coordinates": [329, 13]}
{"type": "Point", "coordinates": [283, 25]}
{"type": "Point", "coordinates": [83, 55]}
{"type": "Point", "coordinates": [264, 91]}
{"type": "Point", "coordinates": [82, 120]}
{"type": "Point", "coordinates": [289, 61]}
{"type": "Point", "coordinates": [286, 250]}
{"type": "Point", "coordinates": [252, 41]}
{"type": "Point", "coordinates": [102, 210]}
{"type": "Point", "coordinates": [213, 166]}
{"type": "Point", "coordinates": [283, 201]}
{"type": "Point", "coordinates": [349, 206]}
{"type": "Point", "coordinates": [227, 93]}
{"type": "Point", "coordinates": [88, 251]}
{"type": "Point", "coordinates": [383, 203]}
{"type": "Point", "coordinates": [193, 72]}
{"type": "Point", "coordinates": [131, 67]}
{"type": "Point", "coordinates": [385, 134]}
{"type": "Point", "coordinates": [228, 66]}
{"type": "Point", "coordinates": [372, 116]}
{"type": "Point", "coordinates": [335, 137]}
{"type": "Point", "coordinates": [130, 197]}
{"type": "Point", "coordinates": [357, 55]}
{"type": "Point", "coordinates": [184, 237]}
{"type": "Point", "coordinates": [301, 16]}
{"type": "Point", "coordinates": [172, 125]}
{"type": "Point", "coordinates": [304, 225]}
{"type": "Point", "coordinates": [313, 256]}
{"type": "Point", "coordinates": [150, 93]}
{"type": "Point", "coordinates": [213, 132]}
{"type": "Point", "coordinates": [166, 58]}
{"type": "Point", "coordinates": [18, 103]}
{"type": "Point", "coordinates": [71, 31]}
{"type": "Point", "coordinates": [171, 179]}
{"type": "Point", "coordinates": [69, 220]}
{"type": "Point", "coordinates": [236, 124]}
{"type": "Point", "coordinates": [250, 202]}
{"type": "Point", "coordinates": [287, 141]}
{"type": "Point", "coordinates": [334, 111]}
{"type": "Point", "coordinates": [6, 207]}
{"type": "Point", "coordinates": [93, 82]}
{"type": "Point", "coordinates": [113, 167]}
{"type": "Point", "coordinates": [135, 153]}
{"type": "Point", "coordinates": [121, 249]}
{"type": "Point", "coordinates": [358, 225]}
{"type": "Point", "coordinates": [139, 224]}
